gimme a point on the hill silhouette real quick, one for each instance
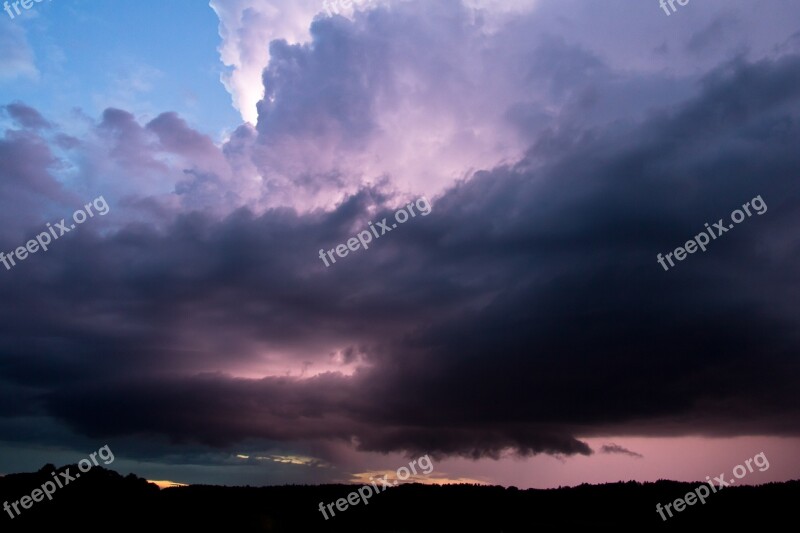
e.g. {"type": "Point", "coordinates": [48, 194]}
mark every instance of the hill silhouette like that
{"type": "Point", "coordinates": [103, 500]}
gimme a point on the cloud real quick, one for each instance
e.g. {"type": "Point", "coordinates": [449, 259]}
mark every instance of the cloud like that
{"type": "Point", "coordinates": [545, 285]}
{"type": "Point", "coordinates": [615, 448]}
{"type": "Point", "coordinates": [525, 314]}
{"type": "Point", "coordinates": [713, 34]}
{"type": "Point", "coordinates": [246, 28]}
{"type": "Point", "coordinates": [25, 116]}
{"type": "Point", "coordinates": [17, 60]}
{"type": "Point", "coordinates": [409, 95]}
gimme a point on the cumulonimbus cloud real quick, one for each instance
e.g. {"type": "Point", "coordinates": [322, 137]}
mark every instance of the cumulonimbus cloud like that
{"type": "Point", "coordinates": [526, 313]}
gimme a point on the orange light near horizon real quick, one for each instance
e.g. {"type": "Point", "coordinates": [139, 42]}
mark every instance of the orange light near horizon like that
{"type": "Point", "coordinates": [164, 484]}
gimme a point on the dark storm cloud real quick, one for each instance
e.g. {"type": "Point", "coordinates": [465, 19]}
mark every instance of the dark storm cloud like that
{"type": "Point", "coordinates": [526, 311]}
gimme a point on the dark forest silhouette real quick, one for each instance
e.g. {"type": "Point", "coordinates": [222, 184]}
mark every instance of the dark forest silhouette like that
{"type": "Point", "coordinates": [103, 500]}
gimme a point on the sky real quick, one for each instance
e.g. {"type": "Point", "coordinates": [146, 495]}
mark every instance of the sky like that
{"type": "Point", "coordinates": [211, 309]}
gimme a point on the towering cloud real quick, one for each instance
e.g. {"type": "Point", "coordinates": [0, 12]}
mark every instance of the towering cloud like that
{"type": "Point", "coordinates": [526, 313]}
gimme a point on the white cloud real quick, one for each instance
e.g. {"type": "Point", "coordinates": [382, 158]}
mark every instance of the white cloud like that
{"type": "Point", "coordinates": [17, 59]}
{"type": "Point", "coordinates": [246, 28]}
